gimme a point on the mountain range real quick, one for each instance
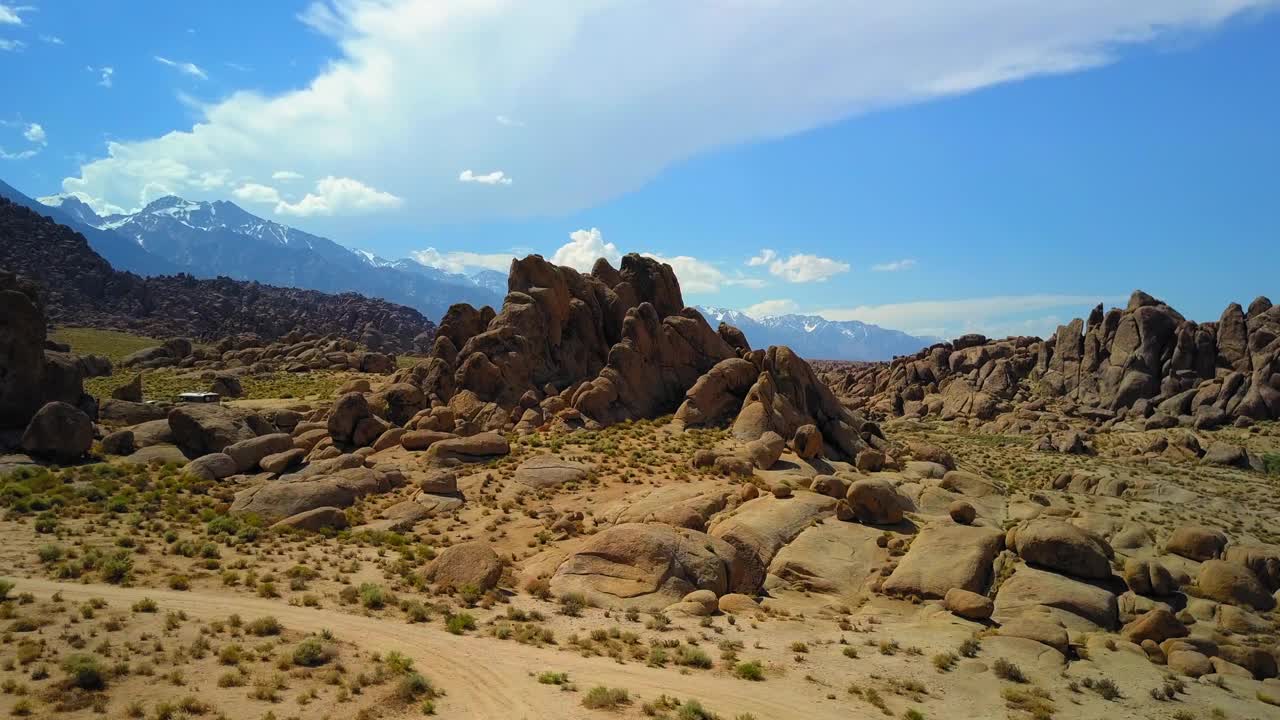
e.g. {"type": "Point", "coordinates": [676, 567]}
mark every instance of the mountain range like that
{"type": "Point", "coordinates": [221, 239]}
{"type": "Point", "coordinates": [816, 338]}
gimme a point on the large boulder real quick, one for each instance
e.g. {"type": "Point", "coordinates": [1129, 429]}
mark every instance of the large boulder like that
{"type": "Point", "coordinates": [214, 466]}
{"type": "Point", "coordinates": [348, 410]}
{"type": "Point", "coordinates": [472, 564]}
{"type": "Point", "coordinates": [646, 565]}
{"type": "Point", "coordinates": [1197, 542]}
{"type": "Point", "coordinates": [315, 520]}
{"type": "Point", "coordinates": [757, 529]}
{"type": "Point", "coordinates": [125, 412]}
{"type": "Point", "coordinates": [1263, 560]}
{"type": "Point", "coordinates": [875, 501]}
{"type": "Point", "coordinates": [765, 450]}
{"type": "Point", "coordinates": [1032, 590]}
{"type": "Point", "coordinates": [201, 428]}
{"type": "Point", "coordinates": [22, 334]}
{"type": "Point", "coordinates": [284, 497]}
{"type": "Point", "coordinates": [1149, 577]}
{"type": "Point", "coordinates": [1234, 584]}
{"type": "Point", "coordinates": [248, 453]}
{"type": "Point", "coordinates": [943, 557]}
{"type": "Point", "coordinates": [1061, 546]}
{"type": "Point", "coordinates": [548, 471]}
{"type": "Point", "coordinates": [473, 448]}
{"type": "Point", "coordinates": [968, 605]}
{"type": "Point", "coordinates": [59, 432]}
{"type": "Point", "coordinates": [1157, 625]}
{"type": "Point", "coordinates": [130, 391]}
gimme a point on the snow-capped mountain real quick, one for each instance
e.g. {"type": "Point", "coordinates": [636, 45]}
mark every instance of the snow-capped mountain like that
{"type": "Point", "coordinates": [816, 338]}
{"type": "Point", "coordinates": [209, 239]}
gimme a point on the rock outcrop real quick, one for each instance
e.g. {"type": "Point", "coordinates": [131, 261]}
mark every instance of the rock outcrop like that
{"type": "Point", "coordinates": [1138, 362]}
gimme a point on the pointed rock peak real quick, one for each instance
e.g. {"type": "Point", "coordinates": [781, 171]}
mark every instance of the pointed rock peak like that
{"type": "Point", "coordinates": [1140, 299]}
{"type": "Point", "coordinates": [1260, 305]}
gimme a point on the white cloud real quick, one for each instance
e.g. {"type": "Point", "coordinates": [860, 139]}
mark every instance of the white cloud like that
{"type": "Point", "coordinates": [340, 196]}
{"type": "Point", "coordinates": [51, 39]}
{"type": "Point", "coordinates": [802, 268]}
{"type": "Point", "coordinates": [186, 68]}
{"type": "Point", "coordinates": [35, 133]}
{"type": "Point", "coordinates": [765, 257]}
{"type": "Point", "coordinates": [256, 193]}
{"type": "Point", "coordinates": [695, 276]}
{"type": "Point", "coordinates": [21, 155]}
{"type": "Point", "coordinates": [508, 121]}
{"type": "Point", "coordinates": [105, 74]}
{"type": "Point", "coordinates": [497, 177]}
{"type": "Point", "coordinates": [894, 266]}
{"type": "Point", "coordinates": [769, 308]}
{"type": "Point", "coordinates": [994, 316]}
{"type": "Point", "coordinates": [286, 175]}
{"type": "Point", "coordinates": [9, 15]}
{"type": "Point", "coordinates": [584, 248]}
{"type": "Point", "coordinates": [11, 45]}
{"type": "Point", "coordinates": [683, 78]}
{"type": "Point", "coordinates": [458, 261]}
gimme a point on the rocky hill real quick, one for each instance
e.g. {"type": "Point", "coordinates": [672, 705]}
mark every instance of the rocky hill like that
{"type": "Point", "coordinates": [81, 288]}
{"type": "Point", "coordinates": [217, 239]}
{"type": "Point", "coordinates": [1145, 364]}
{"type": "Point", "coordinates": [572, 350]}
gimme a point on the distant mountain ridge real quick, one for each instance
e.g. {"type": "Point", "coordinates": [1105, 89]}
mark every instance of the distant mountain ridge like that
{"type": "Point", "coordinates": [81, 288]}
{"type": "Point", "coordinates": [816, 338]}
{"type": "Point", "coordinates": [219, 238]}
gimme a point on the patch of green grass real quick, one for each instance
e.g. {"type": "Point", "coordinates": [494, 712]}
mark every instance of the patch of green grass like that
{"type": "Point", "coordinates": [111, 344]}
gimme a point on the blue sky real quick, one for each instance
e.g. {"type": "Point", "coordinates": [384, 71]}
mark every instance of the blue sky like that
{"type": "Point", "coordinates": [937, 167]}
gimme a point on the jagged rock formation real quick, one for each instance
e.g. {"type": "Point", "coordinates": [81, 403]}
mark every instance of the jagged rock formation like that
{"type": "Point", "coordinates": [82, 289]}
{"type": "Point", "coordinates": [572, 350]}
{"type": "Point", "coordinates": [1145, 363]}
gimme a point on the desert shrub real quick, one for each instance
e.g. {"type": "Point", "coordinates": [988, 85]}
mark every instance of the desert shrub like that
{"type": "Point", "coordinates": [372, 596]}
{"type": "Point", "coordinates": [1006, 670]}
{"type": "Point", "coordinates": [312, 652]}
{"type": "Point", "coordinates": [85, 672]}
{"type": "Point", "coordinates": [750, 670]}
{"type": "Point", "coordinates": [263, 626]}
{"type": "Point", "coordinates": [413, 685]}
{"type": "Point", "coordinates": [460, 623]}
{"type": "Point", "coordinates": [604, 698]}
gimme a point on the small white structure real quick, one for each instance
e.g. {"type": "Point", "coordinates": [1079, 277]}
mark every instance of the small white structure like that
{"type": "Point", "coordinates": [199, 397]}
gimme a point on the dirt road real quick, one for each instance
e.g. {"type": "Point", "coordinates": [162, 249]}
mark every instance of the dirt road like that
{"type": "Point", "coordinates": [488, 678]}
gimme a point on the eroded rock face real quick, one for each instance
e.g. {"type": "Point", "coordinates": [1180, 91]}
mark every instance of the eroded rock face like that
{"type": "Point", "coordinates": [22, 333]}
{"type": "Point", "coordinates": [759, 528]}
{"type": "Point", "coordinates": [646, 565]}
{"type": "Point", "coordinates": [1235, 584]}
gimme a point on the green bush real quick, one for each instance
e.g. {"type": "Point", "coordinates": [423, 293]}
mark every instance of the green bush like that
{"type": "Point", "coordinates": [460, 623]}
{"type": "Point", "coordinates": [312, 652]}
{"type": "Point", "coordinates": [413, 686]}
{"type": "Point", "coordinates": [751, 670]}
{"type": "Point", "coordinates": [117, 568]}
{"type": "Point", "coordinates": [372, 596]}
{"type": "Point", "coordinates": [85, 672]}
{"type": "Point", "coordinates": [604, 698]}
{"type": "Point", "coordinates": [266, 625]}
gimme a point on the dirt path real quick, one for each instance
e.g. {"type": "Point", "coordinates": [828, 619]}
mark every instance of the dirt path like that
{"type": "Point", "coordinates": [488, 678]}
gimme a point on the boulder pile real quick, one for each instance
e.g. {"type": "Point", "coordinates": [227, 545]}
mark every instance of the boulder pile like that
{"type": "Point", "coordinates": [1144, 363]}
{"type": "Point", "coordinates": [248, 353]}
{"type": "Point", "coordinates": [42, 400]}
{"type": "Point", "coordinates": [571, 350]}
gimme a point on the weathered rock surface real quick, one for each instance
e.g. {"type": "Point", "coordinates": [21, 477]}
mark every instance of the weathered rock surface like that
{"type": "Point", "coordinates": [943, 557]}
{"type": "Point", "coordinates": [646, 565]}
{"type": "Point", "coordinates": [58, 432]}
{"type": "Point", "coordinates": [469, 564]}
